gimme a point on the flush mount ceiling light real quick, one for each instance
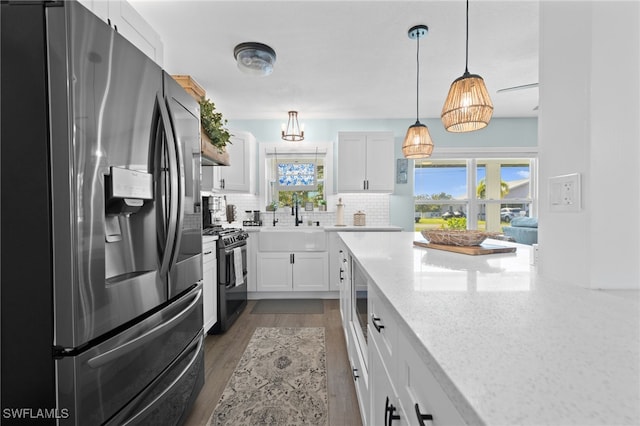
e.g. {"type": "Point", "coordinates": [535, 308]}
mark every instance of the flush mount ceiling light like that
{"type": "Point", "coordinates": [468, 106]}
{"type": "Point", "coordinates": [292, 131]}
{"type": "Point", "coordinates": [255, 58]}
{"type": "Point", "coordinates": [417, 143]}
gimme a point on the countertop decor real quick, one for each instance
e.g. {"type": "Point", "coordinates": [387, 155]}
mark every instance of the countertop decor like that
{"type": "Point", "coordinates": [507, 346]}
{"type": "Point", "coordinates": [454, 237]}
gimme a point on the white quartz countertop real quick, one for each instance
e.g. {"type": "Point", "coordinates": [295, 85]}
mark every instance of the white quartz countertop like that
{"type": "Point", "coordinates": [352, 228]}
{"type": "Point", "coordinates": [508, 347]}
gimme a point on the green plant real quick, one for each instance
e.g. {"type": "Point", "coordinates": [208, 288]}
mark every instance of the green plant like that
{"type": "Point", "coordinates": [213, 124]}
{"type": "Point", "coordinates": [457, 223]}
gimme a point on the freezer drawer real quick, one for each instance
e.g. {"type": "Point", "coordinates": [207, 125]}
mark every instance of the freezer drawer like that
{"type": "Point", "coordinates": [168, 399]}
{"type": "Point", "coordinates": [97, 383]}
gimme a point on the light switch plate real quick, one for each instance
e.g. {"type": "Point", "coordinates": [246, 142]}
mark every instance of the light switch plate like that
{"type": "Point", "coordinates": [564, 193]}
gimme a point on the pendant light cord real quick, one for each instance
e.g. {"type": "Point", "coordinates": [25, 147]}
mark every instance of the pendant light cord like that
{"type": "Point", "coordinates": [466, 60]}
{"type": "Point", "coordinates": [417, 79]}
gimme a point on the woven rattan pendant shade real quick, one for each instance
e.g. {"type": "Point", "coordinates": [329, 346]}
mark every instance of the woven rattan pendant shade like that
{"type": "Point", "coordinates": [417, 143]}
{"type": "Point", "coordinates": [468, 106]}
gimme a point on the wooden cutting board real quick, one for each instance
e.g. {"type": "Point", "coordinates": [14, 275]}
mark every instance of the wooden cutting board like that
{"type": "Point", "coordinates": [471, 250]}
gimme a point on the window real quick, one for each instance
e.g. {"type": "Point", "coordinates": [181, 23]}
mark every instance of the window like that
{"type": "Point", "coordinates": [302, 174]}
{"type": "Point", "coordinates": [486, 192]}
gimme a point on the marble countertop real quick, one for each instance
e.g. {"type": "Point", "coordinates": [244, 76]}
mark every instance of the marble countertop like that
{"type": "Point", "coordinates": [508, 347]}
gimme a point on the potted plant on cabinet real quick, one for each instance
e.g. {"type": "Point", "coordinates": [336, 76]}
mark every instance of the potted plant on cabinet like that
{"type": "Point", "coordinates": [214, 132]}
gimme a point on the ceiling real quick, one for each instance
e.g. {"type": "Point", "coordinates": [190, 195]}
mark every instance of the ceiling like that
{"type": "Point", "coordinates": [350, 59]}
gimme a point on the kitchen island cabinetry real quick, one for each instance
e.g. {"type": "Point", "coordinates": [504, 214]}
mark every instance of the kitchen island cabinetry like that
{"type": "Point", "coordinates": [210, 282]}
{"type": "Point", "coordinates": [486, 340]}
{"type": "Point", "coordinates": [365, 162]}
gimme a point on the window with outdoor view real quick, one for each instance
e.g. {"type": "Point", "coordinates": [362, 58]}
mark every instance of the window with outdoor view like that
{"type": "Point", "coordinates": [303, 175]}
{"type": "Point", "coordinates": [476, 193]}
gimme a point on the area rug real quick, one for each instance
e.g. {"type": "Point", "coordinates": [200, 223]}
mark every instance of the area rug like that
{"type": "Point", "coordinates": [281, 379]}
{"type": "Point", "coordinates": [288, 306]}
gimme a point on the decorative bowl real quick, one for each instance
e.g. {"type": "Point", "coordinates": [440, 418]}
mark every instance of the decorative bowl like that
{"type": "Point", "coordinates": [453, 237]}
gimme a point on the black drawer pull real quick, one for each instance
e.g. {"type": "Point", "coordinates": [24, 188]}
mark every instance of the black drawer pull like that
{"type": "Point", "coordinates": [207, 252]}
{"type": "Point", "coordinates": [389, 417]}
{"type": "Point", "coordinates": [355, 374]}
{"type": "Point", "coordinates": [422, 417]}
{"type": "Point", "coordinates": [374, 321]}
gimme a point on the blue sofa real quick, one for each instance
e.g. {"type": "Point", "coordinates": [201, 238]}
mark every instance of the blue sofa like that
{"type": "Point", "coordinates": [523, 230]}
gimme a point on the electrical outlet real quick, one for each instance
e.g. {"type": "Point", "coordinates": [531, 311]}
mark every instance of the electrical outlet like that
{"type": "Point", "coordinates": [564, 193]}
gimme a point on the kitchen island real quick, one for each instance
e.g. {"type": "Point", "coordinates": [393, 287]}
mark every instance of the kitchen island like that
{"type": "Point", "coordinates": [506, 346]}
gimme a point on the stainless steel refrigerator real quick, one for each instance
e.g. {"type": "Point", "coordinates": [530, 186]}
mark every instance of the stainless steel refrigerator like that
{"type": "Point", "coordinates": [100, 233]}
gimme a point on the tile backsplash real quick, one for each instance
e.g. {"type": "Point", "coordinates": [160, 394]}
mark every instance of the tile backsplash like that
{"type": "Point", "coordinates": [375, 206]}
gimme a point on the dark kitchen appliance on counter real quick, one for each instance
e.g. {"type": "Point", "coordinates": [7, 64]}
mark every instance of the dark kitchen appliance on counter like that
{"type": "Point", "coordinates": [102, 253]}
{"type": "Point", "coordinates": [232, 275]}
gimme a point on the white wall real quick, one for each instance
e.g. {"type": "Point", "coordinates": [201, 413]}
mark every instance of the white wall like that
{"type": "Point", "coordinates": [589, 123]}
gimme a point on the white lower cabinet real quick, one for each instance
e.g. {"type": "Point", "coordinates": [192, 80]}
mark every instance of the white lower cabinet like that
{"type": "Point", "coordinates": [419, 391]}
{"type": "Point", "coordinates": [385, 403]}
{"type": "Point", "coordinates": [209, 287]}
{"type": "Point", "coordinates": [359, 372]}
{"type": "Point", "coordinates": [297, 271]}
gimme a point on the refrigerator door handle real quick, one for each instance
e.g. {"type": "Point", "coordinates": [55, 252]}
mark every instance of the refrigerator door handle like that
{"type": "Point", "coordinates": [140, 414]}
{"type": "Point", "coordinates": [110, 355]}
{"type": "Point", "coordinates": [179, 172]}
{"type": "Point", "coordinates": [172, 225]}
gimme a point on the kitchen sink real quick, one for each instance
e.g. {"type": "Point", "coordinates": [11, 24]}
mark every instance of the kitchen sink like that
{"type": "Point", "coordinates": [302, 238]}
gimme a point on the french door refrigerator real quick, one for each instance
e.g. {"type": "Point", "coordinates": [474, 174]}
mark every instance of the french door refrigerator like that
{"type": "Point", "coordinates": [100, 233]}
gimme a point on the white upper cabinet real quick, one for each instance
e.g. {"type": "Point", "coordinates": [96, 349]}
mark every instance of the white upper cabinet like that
{"type": "Point", "coordinates": [239, 176]}
{"type": "Point", "coordinates": [128, 22]}
{"type": "Point", "coordinates": [365, 161]}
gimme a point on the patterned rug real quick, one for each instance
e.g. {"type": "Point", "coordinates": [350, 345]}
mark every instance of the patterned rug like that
{"type": "Point", "coordinates": [281, 379]}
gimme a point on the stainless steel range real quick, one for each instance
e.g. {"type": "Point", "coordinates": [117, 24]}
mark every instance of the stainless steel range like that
{"type": "Point", "coordinates": [232, 275]}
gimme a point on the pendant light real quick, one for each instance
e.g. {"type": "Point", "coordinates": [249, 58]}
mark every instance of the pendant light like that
{"type": "Point", "coordinates": [468, 106]}
{"type": "Point", "coordinates": [292, 131]}
{"type": "Point", "coordinates": [417, 143]}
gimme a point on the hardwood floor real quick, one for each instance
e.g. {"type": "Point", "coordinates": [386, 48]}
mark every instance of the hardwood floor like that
{"type": "Point", "coordinates": [222, 353]}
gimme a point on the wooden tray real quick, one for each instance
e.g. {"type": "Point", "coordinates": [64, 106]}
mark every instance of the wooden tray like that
{"type": "Point", "coordinates": [471, 250]}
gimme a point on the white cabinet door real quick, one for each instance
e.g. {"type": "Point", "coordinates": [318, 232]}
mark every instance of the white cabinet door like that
{"type": "Point", "coordinates": [358, 360]}
{"type": "Point", "coordinates": [304, 271]}
{"type": "Point", "coordinates": [238, 176]}
{"type": "Point", "coordinates": [351, 162]}
{"type": "Point", "coordinates": [135, 29]}
{"type": "Point", "coordinates": [209, 288]}
{"type": "Point", "coordinates": [130, 24]}
{"type": "Point", "coordinates": [365, 161]}
{"type": "Point", "coordinates": [310, 271]}
{"type": "Point", "coordinates": [380, 162]}
{"type": "Point", "coordinates": [252, 258]}
{"type": "Point", "coordinates": [207, 178]}
{"type": "Point", "coordinates": [385, 404]}
{"type": "Point", "coordinates": [274, 271]}
{"type": "Point", "coordinates": [417, 385]}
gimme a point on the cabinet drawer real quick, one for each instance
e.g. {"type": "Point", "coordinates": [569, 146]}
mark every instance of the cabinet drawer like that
{"type": "Point", "coordinates": [417, 385]}
{"type": "Point", "coordinates": [383, 329]}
